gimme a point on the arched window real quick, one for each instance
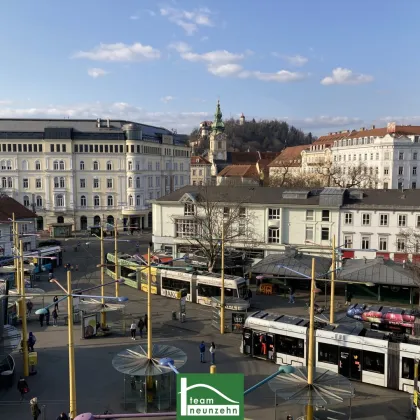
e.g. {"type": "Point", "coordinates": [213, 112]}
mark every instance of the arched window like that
{"type": "Point", "coordinates": [138, 200]}
{"type": "Point", "coordinates": [38, 201]}
{"type": "Point", "coordinates": [9, 182]}
{"type": "Point", "coordinates": [55, 165]}
{"type": "Point", "coordinates": [130, 165]}
{"type": "Point", "coordinates": [96, 165]}
{"type": "Point", "coordinates": [96, 201]}
{"type": "Point", "coordinates": [83, 201]}
{"type": "Point", "coordinates": [110, 220]}
{"type": "Point", "coordinates": [109, 166]}
{"type": "Point", "coordinates": [60, 219]}
{"type": "Point", "coordinates": [138, 182]}
{"type": "Point", "coordinates": [62, 182]}
{"type": "Point", "coordinates": [26, 201]}
{"type": "Point", "coordinates": [97, 221]}
{"type": "Point", "coordinates": [56, 182]}
{"type": "Point", "coordinates": [9, 165]}
{"type": "Point", "coordinates": [38, 165]}
{"type": "Point", "coordinates": [130, 182]}
{"type": "Point", "coordinates": [59, 200]}
{"type": "Point", "coordinates": [4, 182]}
{"type": "Point", "coordinates": [24, 165]}
{"type": "Point", "coordinates": [3, 165]}
{"type": "Point", "coordinates": [110, 200]}
{"type": "Point", "coordinates": [82, 165]}
{"type": "Point", "coordinates": [62, 164]}
{"type": "Point", "coordinates": [130, 200]}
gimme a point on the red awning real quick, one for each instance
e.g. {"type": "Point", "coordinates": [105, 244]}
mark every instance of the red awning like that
{"type": "Point", "coordinates": [400, 257]}
{"type": "Point", "coordinates": [416, 258]}
{"type": "Point", "coordinates": [347, 254]}
{"type": "Point", "coordinates": [384, 255]}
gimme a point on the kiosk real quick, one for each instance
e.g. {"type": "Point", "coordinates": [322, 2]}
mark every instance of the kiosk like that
{"type": "Point", "coordinates": [235, 313]}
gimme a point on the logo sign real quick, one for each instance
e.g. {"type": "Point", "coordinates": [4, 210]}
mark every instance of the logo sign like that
{"type": "Point", "coordinates": [210, 396]}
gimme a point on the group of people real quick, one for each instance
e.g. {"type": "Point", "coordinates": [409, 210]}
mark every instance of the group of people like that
{"type": "Point", "coordinates": [141, 325]}
{"type": "Point", "coordinates": [212, 351]}
{"type": "Point", "coordinates": [47, 316]}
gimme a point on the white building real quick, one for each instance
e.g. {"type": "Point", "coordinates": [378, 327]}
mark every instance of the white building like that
{"type": "Point", "coordinates": [200, 171]}
{"type": "Point", "coordinates": [85, 171]}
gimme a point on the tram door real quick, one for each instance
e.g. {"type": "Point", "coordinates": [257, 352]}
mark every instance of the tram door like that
{"type": "Point", "coordinates": [350, 364]}
{"type": "Point", "coordinates": [247, 337]}
{"type": "Point", "coordinates": [263, 345]}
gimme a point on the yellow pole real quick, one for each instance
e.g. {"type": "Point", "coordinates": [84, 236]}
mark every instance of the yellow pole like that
{"type": "Point", "coordinates": [149, 306]}
{"type": "Point", "coordinates": [213, 369]}
{"type": "Point", "coordinates": [23, 314]}
{"type": "Point", "coordinates": [222, 294]}
{"type": "Point", "coordinates": [117, 277]}
{"type": "Point", "coordinates": [332, 303]}
{"type": "Point", "coordinates": [16, 261]}
{"type": "Point", "coordinates": [72, 367]}
{"type": "Point", "coordinates": [103, 314]}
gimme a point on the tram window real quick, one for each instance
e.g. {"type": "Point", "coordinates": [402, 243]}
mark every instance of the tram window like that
{"type": "Point", "coordinates": [328, 353]}
{"type": "Point", "coordinates": [176, 285]}
{"type": "Point", "coordinates": [209, 291]}
{"type": "Point", "coordinates": [407, 368]}
{"type": "Point", "coordinates": [289, 345]}
{"type": "Point", "coordinates": [373, 362]}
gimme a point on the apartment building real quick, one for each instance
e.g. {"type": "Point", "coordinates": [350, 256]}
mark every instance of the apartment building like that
{"type": "Point", "coordinates": [85, 172]}
{"type": "Point", "coordinates": [200, 171]}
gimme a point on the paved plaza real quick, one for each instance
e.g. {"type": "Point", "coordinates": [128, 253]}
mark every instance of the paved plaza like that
{"type": "Point", "coordinates": [100, 387]}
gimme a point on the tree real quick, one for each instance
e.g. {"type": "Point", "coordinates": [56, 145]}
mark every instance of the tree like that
{"type": "Point", "coordinates": [212, 212]}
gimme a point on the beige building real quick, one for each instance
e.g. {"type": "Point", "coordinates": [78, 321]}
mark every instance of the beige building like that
{"type": "Point", "coordinates": [200, 171]}
{"type": "Point", "coordinates": [83, 172]}
{"type": "Point", "coordinates": [287, 164]}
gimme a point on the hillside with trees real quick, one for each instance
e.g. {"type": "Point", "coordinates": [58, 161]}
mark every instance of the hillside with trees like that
{"type": "Point", "coordinates": [263, 135]}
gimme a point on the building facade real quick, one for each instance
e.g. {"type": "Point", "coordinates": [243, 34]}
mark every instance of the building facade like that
{"type": "Point", "coordinates": [85, 172]}
{"type": "Point", "coordinates": [200, 171]}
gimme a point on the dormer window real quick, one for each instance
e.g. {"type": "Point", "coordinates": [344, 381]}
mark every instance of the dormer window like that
{"type": "Point", "coordinates": [189, 209]}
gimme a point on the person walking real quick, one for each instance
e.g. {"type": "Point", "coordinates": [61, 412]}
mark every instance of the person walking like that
{"type": "Point", "coordinates": [55, 317]}
{"type": "Point", "coordinates": [41, 319]}
{"type": "Point", "coordinates": [146, 320]}
{"type": "Point", "coordinates": [141, 327]}
{"type": "Point", "coordinates": [22, 387]}
{"type": "Point", "coordinates": [202, 352]}
{"type": "Point", "coordinates": [213, 353]}
{"type": "Point", "coordinates": [349, 296]}
{"type": "Point", "coordinates": [291, 295]}
{"type": "Point", "coordinates": [133, 329]}
{"type": "Point", "coordinates": [31, 341]}
{"type": "Point", "coordinates": [47, 317]}
{"type": "Point", "coordinates": [29, 307]}
{"type": "Point", "coordinates": [35, 410]}
{"type": "Point", "coordinates": [63, 416]}
{"type": "Point", "coordinates": [55, 300]}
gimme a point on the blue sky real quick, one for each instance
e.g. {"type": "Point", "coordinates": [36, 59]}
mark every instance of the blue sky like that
{"type": "Point", "coordinates": [321, 65]}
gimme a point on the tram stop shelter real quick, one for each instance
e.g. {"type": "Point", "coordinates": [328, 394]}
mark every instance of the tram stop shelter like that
{"type": "Point", "coordinates": [149, 385]}
{"type": "Point", "coordinates": [235, 313]}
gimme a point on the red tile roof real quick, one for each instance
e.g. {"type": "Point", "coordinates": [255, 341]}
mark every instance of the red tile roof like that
{"type": "Point", "coordinates": [243, 158]}
{"type": "Point", "coordinates": [246, 171]}
{"type": "Point", "coordinates": [290, 156]}
{"type": "Point", "coordinates": [8, 206]}
{"type": "Point", "coordinates": [199, 160]}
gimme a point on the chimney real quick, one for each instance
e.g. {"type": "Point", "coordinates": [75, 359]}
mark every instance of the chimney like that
{"type": "Point", "coordinates": [391, 128]}
{"type": "Point", "coordinates": [108, 123]}
{"type": "Point", "coordinates": [362, 128]}
{"type": "Point", "coordinates": [98, 123]}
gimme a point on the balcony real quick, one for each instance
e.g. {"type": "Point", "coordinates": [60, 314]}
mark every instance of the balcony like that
{"type": "Point", "coordinates": [134, 210]}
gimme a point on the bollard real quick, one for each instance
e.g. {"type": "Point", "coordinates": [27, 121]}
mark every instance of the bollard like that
{"type": "Point", "coordinates": [44, 412]}
{"type": "Point", "coordinates": [212, 369]}
{"type": "Point", "coordinates": [173, 315]}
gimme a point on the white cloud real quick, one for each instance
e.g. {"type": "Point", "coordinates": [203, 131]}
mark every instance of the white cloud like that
{"type": "Point", "coordinates": [120, 52]}
{"type": "Point", "coordinates": [296, 60]}
{"type": "Point", "coordinates": [282, 76]}
{"type": "Point", "coordinates": [213, 57]}
{"type": "Point", "coordinates": [324, 121]}
{"type": "Point", "coordinates": [225, 70]}
{"type": "Point", "coordinates": [134, 17]}
{"type": "Point", "coordinates": [167, 99]}
{"type": "Point", "coordinates": [5, 102]}
{"type": "Point", "coordinates": [341, 76]}
{"type": "Point", "coordinates": [97, 72]}
{"type": "Point", "coordinates": [190, 21]}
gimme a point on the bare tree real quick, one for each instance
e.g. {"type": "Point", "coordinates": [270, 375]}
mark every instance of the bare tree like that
{"type": "Point", "coordinates": [212, 215]}
{"type": "Point", "coordinates": [286, 177]}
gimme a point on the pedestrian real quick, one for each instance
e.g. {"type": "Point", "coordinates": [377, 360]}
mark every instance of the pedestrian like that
{"type": "Point", "coordinates": [133, 329]}
{"type": "Point", "coordinates": [349, 296]}
{"type": "Point", "coordinates": [63, 416]}
{"type": "Point", "coordinates": [55, 300]}
{"type": "Point", "coordinates": [146, 320]}
{"type": "Point", "coordinates": [22, 387]}
{"type": "Point", "coordinates": [202, 352]}
{"type": "Point", "coordinates": [29, 306]}
{"type": "Point", "coordinates": [77, 267]}
{"type": "Point", "coordinates": [31, 341]}
{"type": "Point", "coordinates": [55, 317]}
{"type": "Point", "coordinates": [41, 319]}
{"type": "Point", "coordinates": [50, 275]}
{"type": "Point", "coordinates": [35, 410]}
{"type": "Point", "coordinates": [47, 317]}
{"type": "Point", "coordinates": [291, 295]}
{"type": "Point", "coordinates": [141, 327]}
{"type": "Point", "coordinates": [213, 353]}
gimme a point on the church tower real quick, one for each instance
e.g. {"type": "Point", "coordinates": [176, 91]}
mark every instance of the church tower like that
{"type": "Point", "coordinates": [218, 142]}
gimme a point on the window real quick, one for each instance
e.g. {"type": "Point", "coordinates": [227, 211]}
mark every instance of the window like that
{"type": "Point", "coordinates": [383, 243]}
{"type": "Point", "coordinates": [186, 228]}
{"type": "Point", "coordinates": [325, 233]}
{"type": "Point", "coordinates": [413, 185]}
{"type": "Point", "coordinates": [55, 165]}
{"type": "Point", "coordinates": [9, 182]}
{"type": "Point", "coordinates": [96, 148]}
{"type": "Point", "coordinates": [325, 215]}
{"type": "Point", "coordinates": [377, 156]}
{"type": "Point", "coordinates": [109, 166]}
{"type": "Point", "coordinates": [64, 148]}
{"type": "Point", "coordinates": [130, 200]}
{"type": "Point", "coordinates": [83, 201]}
{"type": "Point", "coordinates": [309, 215]}
{"type": "Point", "coordinates": [138, 183]}
{"type": "Point", "coordinates": [25, 183]}
{"type": "Point", "coordinates": [400, 170]}
{"type": "Point", "coordinates": [273, 236]}
{"type": "Point", "coordinates": [386, 171]}
{"type": "Point", "coordinates": [181, 166]}
{"type": "Point", "coordinates": [56, 182]}
{"type": "Point", "coordinates": [82, 165]}
{"type": "Point", "coordinates": [348, 241]}
{"type": "Point", "coordinates": [273, 214]}
{"type": "Point", "coordinates": [110, 200]}
{"type": "Point", "coordinates": [383, 220]}
{"type": "Point", "coordinates": [4, 182]}
{"type": "Point", "coordinates": [181, 180]}
{"type": "Point", "coordinates": [328, 353]}
{"type": "Point", "coordinates": [365, 242]}
{"type": "Point", "coordinates": [365, 219]}
{"type": "Point", "coordinates": [130, 182]}
{"type": "Point", "coordinates": [51, 148]}
{"type": "Point", "coordinates": [309, 233]}
{"type": "Point", "coordinates": [416, 139]}
{"type": "Point", "coordinates": [138, 200]}
{"type": "Point", "coordinates": [189, 209]}
{"type": "Point", "coordinates": [96, 165]}
{"type": "Point", "coordinates": [150, 166]}
{"type": "Point", "coordinates": [414, 170]}
{"type": "Point", "coordinates": [59, 200]}
{"type": "Point", "coordinates": [62, 182]}
{"type": "Point", "coordinates": [402, 220]}
{"type": "Point", "coordinates": [176, 285]}
{"type": "Point", "coordinates": [109, 183]}
{"type": "Point", "coordinates": [418, 221]}
{"type": "Point", "coordinates": [194, 172]}
{"type": "Point", "coordinates": [415, 156]}
{"type": "Point", "coordinates": [400, 244]}
{"type": "Point", "coordinates": [242, 212]}
{"type": "Point", "coordinates": [95, 183]}
{"type": "Point", "coordinates": [130, 165]}
{"type": "Point", "coordinates": [407, 371]}
{"type": "Point", "coordinates": [150, 181]}
{"type": "Point", "coordinates": [373, 362]}
{"type": "Point", "coordinates": [348, 219]}
{"type": "Point", "coordinates": [62, 165]}
{"type": "Point", "coordinates": [26, 201]}
{"type": "Point", "coordinates": [400, 156]}
{"type": "Point", "coordinates": [38, 201]}
{"type": "Point", "coordinates": [25, 165]}
{"type": "Point", "coordinates": [158, 181]}
{"type": "Point", "coordinates": [96, 201]}
{"type": "Point", "coordinates": [101, 148]}
{"type": "Point", "coordinates": [57, 146]}
{"type": "Point", "coordinates": [400, 185]}
{"type": "Point", "coordinates": [289, 345]}
{"type": "Point", "coordinates": [37, 165]}
{"type": "Point", "coordinates": [38, 183]}
{"type": "Point", "coordinates": [83, 183]}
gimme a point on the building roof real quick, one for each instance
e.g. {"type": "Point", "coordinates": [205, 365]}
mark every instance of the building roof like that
{"type": "Point", "coordinates": [246, 171]}
{"type": "Point", "coordinates": [8, 206]}
{"type": "Point", "coordinates": [199, 160]}
{"type": "Point", "coordinates": [378, 271]}
{"type": "Point", "coordinates": [331, 137]}
{"type": "Point", "coordinates": [290, 156]}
